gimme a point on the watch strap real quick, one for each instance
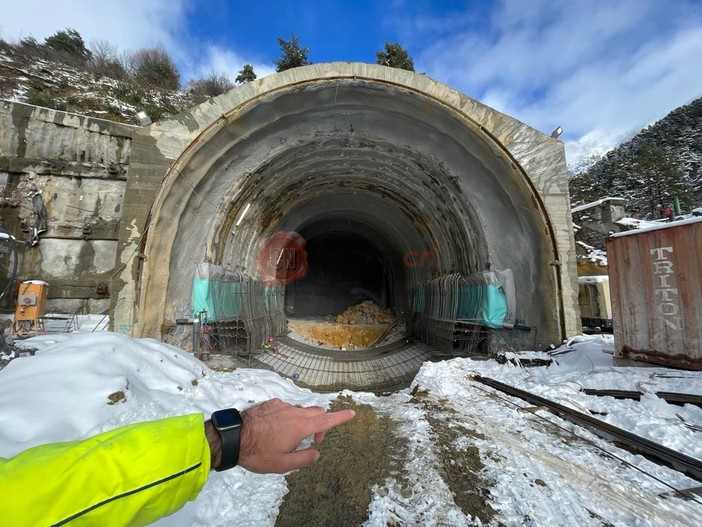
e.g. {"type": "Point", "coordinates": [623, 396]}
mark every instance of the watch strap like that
{"type": "Point", "coordinates": [231, 440]}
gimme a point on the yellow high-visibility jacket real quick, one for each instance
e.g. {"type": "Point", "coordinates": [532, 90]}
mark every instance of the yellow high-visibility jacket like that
{"type": "Point", "coordinates": [131, 476]}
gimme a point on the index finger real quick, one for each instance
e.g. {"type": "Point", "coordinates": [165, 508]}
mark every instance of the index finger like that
{"type": "Point", "coordinates": [323, 422]}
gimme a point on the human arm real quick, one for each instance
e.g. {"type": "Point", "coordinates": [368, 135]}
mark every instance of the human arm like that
{"type": "Point", "coordinates": [138, 473]}
{"type": "Point", "coordinates": [271, 433]}
{"type": "Point", "coordinates": [129, 476]}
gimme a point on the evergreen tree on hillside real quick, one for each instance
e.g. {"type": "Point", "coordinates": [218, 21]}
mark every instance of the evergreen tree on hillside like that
{"type": "Point", "coordinates": [70, 43]}
{"type": "Point", "coordinates": [395, 56]}
{"type": "Point", "coordinates": [656, 164]}
{"type": "Point", "coordinates": [292, 54]}
{"type": "Point", "coordinates": [246, 74]}
{"type": "Point", "coordinates": [659, 178]}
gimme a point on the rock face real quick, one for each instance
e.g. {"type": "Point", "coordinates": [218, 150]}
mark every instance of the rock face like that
{"type": "Point", "coordinates": [367, 312]}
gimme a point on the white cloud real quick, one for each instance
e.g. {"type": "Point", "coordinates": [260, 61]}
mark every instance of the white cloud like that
{"type": "Point", "coordinates": [223, 60]}
{"type": "Point", "coordinates": [127, 24]}
{"type": "Point", "coordinates": [602, 71]}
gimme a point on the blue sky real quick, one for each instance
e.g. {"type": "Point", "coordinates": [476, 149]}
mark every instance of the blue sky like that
{"type": "Point", "coordinates": [602, 69]}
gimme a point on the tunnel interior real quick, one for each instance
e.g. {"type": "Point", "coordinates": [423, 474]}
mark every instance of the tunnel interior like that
{"type": "Point", "coordinates": [345, 269]}
{"type": "Point", "coordinates": [388, 189]}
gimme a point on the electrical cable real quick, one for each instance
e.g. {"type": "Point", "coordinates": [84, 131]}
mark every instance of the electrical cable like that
{"type": "Point", "coordinates": [13, 243]}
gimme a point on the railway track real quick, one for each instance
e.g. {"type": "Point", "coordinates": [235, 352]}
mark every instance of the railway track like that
{"type": "Point", "coordinates": [543, 470]}
{"type": "Point", "coordinates": [684, 463]}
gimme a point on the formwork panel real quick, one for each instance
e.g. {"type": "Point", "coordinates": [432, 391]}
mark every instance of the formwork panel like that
{"type": "Point", "coordinates": [655, 281]}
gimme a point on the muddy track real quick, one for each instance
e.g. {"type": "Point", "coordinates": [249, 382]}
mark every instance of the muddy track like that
{"type": "Point", "coordinates": [370, 456]}
{"type": "Point", "coordinates": [484, 462]}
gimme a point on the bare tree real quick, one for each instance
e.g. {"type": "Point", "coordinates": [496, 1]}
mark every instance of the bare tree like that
{"type": "Point", "coordinates": [154, 68]}
{"type": "Point", "coordinates": [211, 86]}
{"type": "Point", "coordinates": [105, 60]}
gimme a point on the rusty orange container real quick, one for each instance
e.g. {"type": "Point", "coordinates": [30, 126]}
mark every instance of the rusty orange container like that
{"type": "Point", "coordinates": [655, 279]}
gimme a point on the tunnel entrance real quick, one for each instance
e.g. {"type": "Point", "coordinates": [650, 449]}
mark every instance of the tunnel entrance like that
{"type": "Point", "coordinates": [399, 185]}
{"type": "Point", "coordinates": [345, 301]}
{"type": "Point", "coordinates": [345, 269]}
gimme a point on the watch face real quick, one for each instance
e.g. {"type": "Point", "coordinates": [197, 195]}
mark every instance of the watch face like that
{"type": "Point", "coordinates": [225, 419]}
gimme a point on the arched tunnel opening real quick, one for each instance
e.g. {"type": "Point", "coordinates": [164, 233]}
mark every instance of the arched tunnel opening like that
{"type": "Point", "coordinates": [394, 195]}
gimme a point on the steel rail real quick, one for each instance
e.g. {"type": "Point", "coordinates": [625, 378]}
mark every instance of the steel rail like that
{"type": "Point", "coordinates": [681, 462]}
{"type": "Point", "coordinates": [679, 399]}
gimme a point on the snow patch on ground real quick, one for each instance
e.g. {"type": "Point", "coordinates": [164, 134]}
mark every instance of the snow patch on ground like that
{"type": "Point", "coordinates": [63, 393]}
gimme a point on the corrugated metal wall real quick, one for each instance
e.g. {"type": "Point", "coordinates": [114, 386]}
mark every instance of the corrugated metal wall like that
{"type": "Point", "coordinates": [655, 281]}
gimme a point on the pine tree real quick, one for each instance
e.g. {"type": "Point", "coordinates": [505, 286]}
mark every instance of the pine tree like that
{"type": "Point", "coordinates": [69, 43]}
{"type": "Point", "coordinates": [292, 54]}
{"type": "Point", "coordinates": [660, 178]}
{"type": "Point", "coordinates": [246, 74]}
{"type": "Point", "coordinates": [395, 56]}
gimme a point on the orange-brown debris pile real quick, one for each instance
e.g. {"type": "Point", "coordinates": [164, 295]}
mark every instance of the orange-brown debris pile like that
{"type": "Point", "coordinates": [367, 312]}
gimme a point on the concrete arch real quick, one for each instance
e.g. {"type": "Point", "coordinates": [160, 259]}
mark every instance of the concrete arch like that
{"type": "Point", "coordinates": [393, 157]}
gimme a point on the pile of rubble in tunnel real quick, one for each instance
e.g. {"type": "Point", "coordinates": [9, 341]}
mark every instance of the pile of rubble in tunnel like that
{"type": "Point", "coordinates": [361, 326]}
{"type": "Point", "coordinates": [367, 312]}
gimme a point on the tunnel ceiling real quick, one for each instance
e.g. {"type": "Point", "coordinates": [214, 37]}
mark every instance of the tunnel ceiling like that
{"type": "Point", "coordinates": [382, 160]}
{"type": "Point", "coordinates": [400, 168]}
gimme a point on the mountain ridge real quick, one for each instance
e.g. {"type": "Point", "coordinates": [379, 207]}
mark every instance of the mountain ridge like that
{"type": "Point", "coordinates": [668, 152]}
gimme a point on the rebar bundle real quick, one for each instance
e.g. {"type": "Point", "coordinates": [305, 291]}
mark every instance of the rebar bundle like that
{"type": "Point", "coordinates": [456, 313]}
{"type": "Point", "coordinates": [237, 313]}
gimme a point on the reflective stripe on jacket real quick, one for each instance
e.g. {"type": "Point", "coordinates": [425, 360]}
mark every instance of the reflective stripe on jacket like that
{"type": "Point", "coordinates": [130, 476]}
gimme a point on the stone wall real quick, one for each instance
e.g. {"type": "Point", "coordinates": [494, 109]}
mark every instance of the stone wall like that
{"type": "Point", "coordinates": [62, 186]}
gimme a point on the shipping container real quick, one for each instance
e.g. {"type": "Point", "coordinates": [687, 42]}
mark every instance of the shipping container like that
{"type": "Point", "coordinates": [656, 292]}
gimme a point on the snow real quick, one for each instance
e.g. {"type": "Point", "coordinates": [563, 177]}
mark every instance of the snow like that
{"type": "Point", "coordinates": [594, 255]}
{"type": "Point", "coordinates": [597, 203]}
{"type": "Point", "coordinates": [593, 279]}
{"type": "Point", "coordinates": [635, 223]}
{"type": "Point", "coordinates": [659, 226]}
{"type": "Point", "coordinates": [539, 475]}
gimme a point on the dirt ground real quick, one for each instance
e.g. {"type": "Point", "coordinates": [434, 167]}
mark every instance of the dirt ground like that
{"type": "Point", "coordinates": [368, 451]}
{"type": "Point", "coordinates": [358, 327]}
{"type": "Point", "coordinates": [460, 468]}
{"type": "Point", "coordinates": [337, 336]}
{"type": "Point", "coordinates": [354, 457]}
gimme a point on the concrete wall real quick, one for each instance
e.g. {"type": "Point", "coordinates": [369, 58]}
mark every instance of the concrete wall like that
{"type": "Point", "coordinates": [77, 168]}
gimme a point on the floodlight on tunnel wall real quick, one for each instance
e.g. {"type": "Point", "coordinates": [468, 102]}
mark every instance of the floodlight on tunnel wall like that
{"type": "Point", "coordinates": [144, 118]}
{"type": "Point", "coordinates": [241, 218]}
{"type": "Point", "coordinates": [557, 132]}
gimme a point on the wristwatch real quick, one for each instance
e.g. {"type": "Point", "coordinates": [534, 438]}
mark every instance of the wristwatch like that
{"type": "Point", "coordinates": [228, 425]}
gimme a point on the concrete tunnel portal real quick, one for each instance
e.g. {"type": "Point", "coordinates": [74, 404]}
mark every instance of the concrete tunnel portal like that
{"type": "Point", "coordinates": [388, 184]}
